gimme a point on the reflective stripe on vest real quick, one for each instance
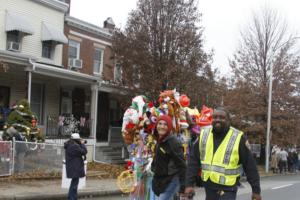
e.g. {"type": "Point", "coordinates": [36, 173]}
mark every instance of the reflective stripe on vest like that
{"type": "Point", "coordinates": [230, 146]}
{"type": "Point", "coordinates": [221, 170]}
{"type": "Point", "coordinates": [222, 166]}
{"type": "Point", "coordinates": [203, 142]}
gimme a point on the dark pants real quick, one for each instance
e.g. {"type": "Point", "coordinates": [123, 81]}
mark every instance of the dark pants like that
{"type": "Point", "coordinates": [73, 189]}
{"type": "Point", "coordinates": [282, 166]}
{"type": "Point", "coordinates": [219, 194]}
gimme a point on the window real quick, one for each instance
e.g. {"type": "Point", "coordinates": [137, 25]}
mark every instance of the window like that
{"type": "Point", "coordinates": [37, 101]}
{"type": "Point", "coordinates": [118, 72]}
{"type": "Point", "coordinates": [4, 96]}
{"type": "Point", "coordinates": [66, 102]}
{"type": "Point", "coordinates": [47, 49]}
{"type": "Point", "coordinates": [74, 49]}
{"type": "Point", "coordinates": [136, 75]}
{"type": "Point", "coordinates": [13, 40]}
{"type": "Point", "coordinates": [98, 58]}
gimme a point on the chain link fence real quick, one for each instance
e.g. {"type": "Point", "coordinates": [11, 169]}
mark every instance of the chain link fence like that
{"type": "Point", "coordinates": [37, 157]}
{"type": "Point", "coordinates": [29, 157]}
{"type": "Point", "coordinates": [6, 158]}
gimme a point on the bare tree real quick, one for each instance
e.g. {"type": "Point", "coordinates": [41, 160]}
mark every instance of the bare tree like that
{"type": "Point", "coordinates": [162, 48]}
{"type": "Point", "coordinates": [266, 43]}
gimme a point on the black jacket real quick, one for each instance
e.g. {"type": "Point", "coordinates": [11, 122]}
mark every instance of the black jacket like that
{"type": "Point", "coordinates": [246, 159]}
{"type": "Point", "coordinates": [168, 162]}
{"type": "Point", "coordinates": [75, 154]}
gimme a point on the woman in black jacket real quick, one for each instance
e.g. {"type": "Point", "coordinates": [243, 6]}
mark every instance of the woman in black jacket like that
{"type": "Point", "coordinates": [168, 164]}
{"type": "Point", "coordinates": [75, 155]}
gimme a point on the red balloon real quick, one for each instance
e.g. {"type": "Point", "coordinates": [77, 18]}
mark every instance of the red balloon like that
{"type": "Point", "coordinates": [184, 100]}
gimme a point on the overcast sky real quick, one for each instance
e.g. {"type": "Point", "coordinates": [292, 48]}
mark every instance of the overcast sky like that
{"type": "Point", "coordinates": [222, 19]}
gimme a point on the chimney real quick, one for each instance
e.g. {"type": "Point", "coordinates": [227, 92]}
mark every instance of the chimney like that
{"type": "Point", "coordinates": [109, 24]}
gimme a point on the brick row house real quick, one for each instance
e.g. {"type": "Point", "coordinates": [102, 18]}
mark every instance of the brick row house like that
{"type": "Point", "coordinates": [63, 66]}
{"type": "Point", "coordinates": [89, 52]}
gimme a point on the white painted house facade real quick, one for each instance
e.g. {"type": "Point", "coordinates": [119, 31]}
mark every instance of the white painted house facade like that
{"type": "Point", "coordinates": [31, 50]}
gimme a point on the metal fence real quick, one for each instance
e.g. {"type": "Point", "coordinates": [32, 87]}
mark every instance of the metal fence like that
{"type": "Point", "coordinates": [20, 157]}
{"type": "Point", "coordinates": [6, 158]}
{"type": "Point", "coordinates": [37, 157]}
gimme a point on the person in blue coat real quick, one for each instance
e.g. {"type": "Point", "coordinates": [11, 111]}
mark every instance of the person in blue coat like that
{"type": "Point", "coordinates": [76, 151]}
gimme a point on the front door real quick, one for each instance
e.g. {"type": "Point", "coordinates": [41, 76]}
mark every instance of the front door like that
{"type": "Point", "coordinates": [103, 117]}
{"type": "Point", "coordinates": [4, 104]}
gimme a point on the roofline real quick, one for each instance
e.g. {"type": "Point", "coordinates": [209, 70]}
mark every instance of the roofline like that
{"type": "Point", "coordinates": [16, 58]}
{"type": "Point", "coordinates": [45, 68]}
{"type": "Point", "coordinates": [91, 28]}
{"type": "Point", "coordinates": [55, 4]}
{"type": "Point", "coordinates": [49, 70]}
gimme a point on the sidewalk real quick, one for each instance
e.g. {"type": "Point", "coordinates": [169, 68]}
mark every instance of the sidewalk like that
{"type": "Point", "coordinates": [51, 189]}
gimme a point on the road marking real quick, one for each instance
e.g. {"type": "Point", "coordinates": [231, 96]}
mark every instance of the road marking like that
{"type": "Point", "coordinates": [282, 186]}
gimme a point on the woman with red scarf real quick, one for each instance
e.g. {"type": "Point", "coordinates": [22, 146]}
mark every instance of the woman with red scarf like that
{"type": "Point", "coordinates": [168, 164]}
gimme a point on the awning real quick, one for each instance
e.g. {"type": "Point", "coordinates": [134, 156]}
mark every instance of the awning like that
{"type": "Point", "coordinates": [16, 22]}
{"type": "Point", "coordinates": [51, 33]}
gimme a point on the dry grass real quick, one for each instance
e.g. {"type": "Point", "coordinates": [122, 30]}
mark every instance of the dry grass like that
{"type": "Point", "coordinates": [94, 170]}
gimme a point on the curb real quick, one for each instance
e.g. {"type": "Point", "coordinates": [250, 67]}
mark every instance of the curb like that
{"type": "Point", "coordinates": [244, 178]}
{"type": "Point", "coordinates": [60, 196]}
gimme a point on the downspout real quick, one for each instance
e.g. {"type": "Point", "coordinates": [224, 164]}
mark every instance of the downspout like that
{"type": "Point", "coordinates": [29, 80]}
{"type": "Point", "coordinates": [94, 128]}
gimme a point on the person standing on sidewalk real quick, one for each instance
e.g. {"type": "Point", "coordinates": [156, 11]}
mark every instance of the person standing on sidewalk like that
{"type": "Point", "coordinates": [75, 155]}
{"type": "Point", "coordinates": [283, 160]}
{"type": "Point", "coordinates": [168, 165]}
{"type": "Point", "coordinates": [220, 152]}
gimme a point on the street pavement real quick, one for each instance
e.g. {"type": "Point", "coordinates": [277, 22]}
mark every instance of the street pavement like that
{"type": "Point", "coordinates": [282, 187]}
{"type": "Point", "coordinates": [279, 187]}
{"type": "Point", "coordinates": [286, 187]}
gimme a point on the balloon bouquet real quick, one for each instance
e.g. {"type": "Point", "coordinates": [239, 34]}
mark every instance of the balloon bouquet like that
{"type": "Point", "coordinates": [137, 131]}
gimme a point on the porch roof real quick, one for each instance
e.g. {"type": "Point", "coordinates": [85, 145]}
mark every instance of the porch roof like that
{"type": "Point", "coordinates": [56, 71]}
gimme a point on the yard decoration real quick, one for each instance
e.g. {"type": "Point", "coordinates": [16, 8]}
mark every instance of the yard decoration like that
{"type": "Point", "coordinates": [24, 121]}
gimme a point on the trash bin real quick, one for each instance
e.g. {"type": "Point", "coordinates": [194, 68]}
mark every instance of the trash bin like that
{"type": "Point", "coordinates": [65, 182]}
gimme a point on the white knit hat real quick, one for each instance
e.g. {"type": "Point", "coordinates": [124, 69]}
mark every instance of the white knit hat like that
{"type": "Point", "coordinates": [75, 136]}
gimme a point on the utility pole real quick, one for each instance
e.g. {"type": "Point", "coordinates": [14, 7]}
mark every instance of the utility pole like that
{"type": "Point", "coordinates": [269, 119]}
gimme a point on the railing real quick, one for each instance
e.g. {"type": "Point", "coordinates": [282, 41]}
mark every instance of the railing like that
{"type": "Point", "coordinates": [63, 126]}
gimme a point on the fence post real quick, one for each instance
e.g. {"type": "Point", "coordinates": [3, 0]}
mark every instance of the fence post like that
{"type": "Point", "coordinates": [13, 155]}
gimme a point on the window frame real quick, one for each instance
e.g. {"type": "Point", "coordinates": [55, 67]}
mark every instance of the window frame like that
{"type": "Point", "coordinates": [100, 67]}
{"type": "Point", "coordinates": [18, 40]}
{"type": "Point", "coordinates": [51, 49]}
{"type": "Point", "coordinates": [76, 45]}
{"type": "Point", "coordinates": [41, 102]}
{"type": "Point", "coordinates": [120, 72]}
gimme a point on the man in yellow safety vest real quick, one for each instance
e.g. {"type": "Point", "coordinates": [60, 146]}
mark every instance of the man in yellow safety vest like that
{"type": "Point", "coordinates": [222, 152]}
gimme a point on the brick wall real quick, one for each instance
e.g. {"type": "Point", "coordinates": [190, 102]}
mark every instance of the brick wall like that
{"type": "Point", "coordinates": [87, 49]}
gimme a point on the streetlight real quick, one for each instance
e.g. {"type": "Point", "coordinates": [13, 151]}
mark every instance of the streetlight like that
{"type": "Point", "coordinates": [269, 120]}
{"type": "Point", "coordinates": [269, 109]}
